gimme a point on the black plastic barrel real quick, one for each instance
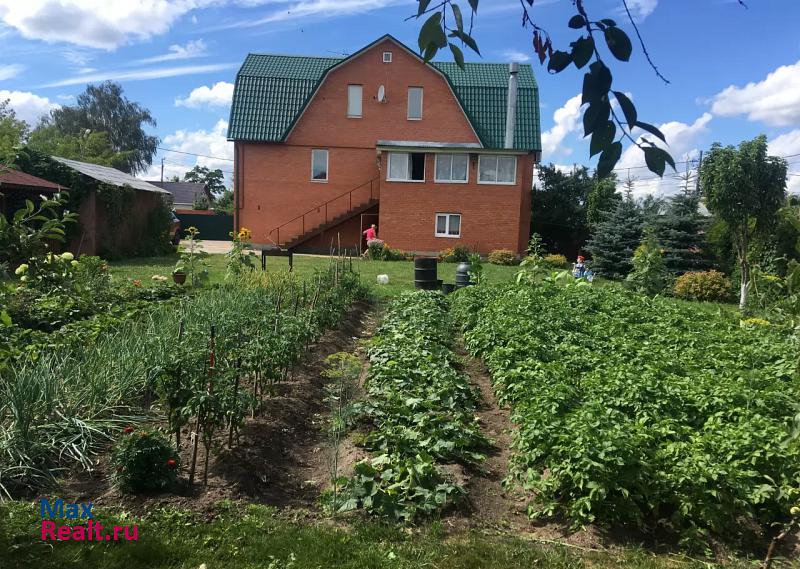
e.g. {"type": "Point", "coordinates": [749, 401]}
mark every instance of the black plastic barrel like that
{"type": "Point", "coordinates": [425, 275]}
{"type": "Point", "coordinates": [462, 275]}
{"type": "Point", "coordinates": [447, 288]}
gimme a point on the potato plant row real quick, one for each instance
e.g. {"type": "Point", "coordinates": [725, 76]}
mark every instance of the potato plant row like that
{"type": "Point", "coordinates": [420, 411]}
{"type": "Point", "coordinates": [641, 412]}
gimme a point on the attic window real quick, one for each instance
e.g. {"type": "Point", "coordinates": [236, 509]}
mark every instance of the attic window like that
{"type": "Point", "coordinates": [387, 56]}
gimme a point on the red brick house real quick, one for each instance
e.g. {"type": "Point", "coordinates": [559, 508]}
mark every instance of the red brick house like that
{"type": "Point", "coordinates": [326, 146]}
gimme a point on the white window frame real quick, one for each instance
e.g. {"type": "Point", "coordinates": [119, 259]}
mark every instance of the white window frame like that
{"type": "Point", "coordinates": [408, 168]}
{"type": "Point", "coordinates": [352, 88]}
{"type": "Point", "coordinates": [387, 56]}
{"type": "Point", "coordinates": [496, 157]}
{"type": "Point", "coordinates": [421, 103]}
{"type": "Point", "coordinates": [327, 165]}
{"type": "Point", "coordinates": [446, 233]}
{"type": "Point", "coordinates": [450, 180]}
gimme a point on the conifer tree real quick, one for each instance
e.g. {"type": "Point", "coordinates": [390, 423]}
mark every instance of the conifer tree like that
{"type": "Point", "coordinates": [616, 238]}
{"type": "Point", "coordinates": [680, 230]}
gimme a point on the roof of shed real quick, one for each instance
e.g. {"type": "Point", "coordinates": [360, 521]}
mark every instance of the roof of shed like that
{"type": "Point", "coordinates": [272, 91]}
{"type": "Point", "coordinates": [20, 179]}
{"type": "Point", "coordinates": [109, 175]}
{"type": "Point", "coordinates": [182, 192]}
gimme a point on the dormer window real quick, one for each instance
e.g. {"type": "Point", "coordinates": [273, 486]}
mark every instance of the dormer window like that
{"type": "Point", "coordinates": [387, 56]}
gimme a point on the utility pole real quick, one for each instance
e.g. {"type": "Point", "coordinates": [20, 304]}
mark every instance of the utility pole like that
{"type": "Point", "coordinates": [699, 164]}
{"type": "Point", "coordinates": [162, 170]}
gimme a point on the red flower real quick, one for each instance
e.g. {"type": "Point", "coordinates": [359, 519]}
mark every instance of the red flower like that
{"type": "Point", "coordinates": [127, 430]}
{"type": "Point", "coordinates": [137, 282]}
{"type": "Point", "coordinates": [171, 463]}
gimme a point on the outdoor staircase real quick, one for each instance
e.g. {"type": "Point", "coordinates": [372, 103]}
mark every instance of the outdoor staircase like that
{"type": "Point", "coordinates": [326, 215]}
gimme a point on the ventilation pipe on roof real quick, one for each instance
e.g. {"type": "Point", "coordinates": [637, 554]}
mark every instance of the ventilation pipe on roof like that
{"type": "Point", "coordinates": [511, 106]}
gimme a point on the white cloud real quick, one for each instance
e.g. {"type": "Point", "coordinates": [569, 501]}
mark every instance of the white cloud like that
{"type": "Point", "coordinates": [9, 71]}
{"type": "Point", "coordinates": [27, 106]}
{"type": "Point", "coordinates": [774, 100]}
{"type": "Point", "coordinates": [212, 142]}
{"type": "Point", "coordinates": [104, 24]}
{"type": "Point", "coordinates": [682, 139]}
{"type": "Point", "coordinates": [515, 55]}
{"type": "Point", "coordinates": [788, 144]}
{"type": "Point", "coordinates": [194, 48]}
{"type": "Point", "coordinates": [640, 9]}
{"type": "Point", "coordinates": [142, 74]}
{"type": "Point", "coordinates": [567, 120]}
{"type": "Point", "coordinates": [219, 95]}
{"type": "Point", "coordinates": [314, 8]}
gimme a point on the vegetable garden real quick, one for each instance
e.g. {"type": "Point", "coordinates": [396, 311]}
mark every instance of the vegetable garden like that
{"type": "Point", "coordinates": [640, 412]}
{"type": "Point", "coordinates": [205, 360]}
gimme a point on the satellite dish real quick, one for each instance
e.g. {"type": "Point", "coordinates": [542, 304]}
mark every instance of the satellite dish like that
{"type": "Point", "coordinates": [381, 94]}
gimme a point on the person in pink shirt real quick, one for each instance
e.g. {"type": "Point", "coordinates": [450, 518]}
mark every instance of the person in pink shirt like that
{"type": "Point", "coordinates": [371, 233]}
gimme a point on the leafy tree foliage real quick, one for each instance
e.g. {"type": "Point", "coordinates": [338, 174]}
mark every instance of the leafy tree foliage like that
{"type": "Point", "coordinates": [559, 208]}
{"type": "Point", "coordinates": [606, 125]}
{"type": "Point", "coordinates": [224, 202]}
{"type": "Point", "coordinates": [104, 108]}
{"type": "Point", "coordinates": [745, 188]}
{"type": "Point", "coordinates": [12, 132]}
{"type": "Point", "coordinates": [602, 199]}
{"type": "Point", "coordinates": [213, 180]}
{"type": "Point", "coordinates": [566, 204]}
{"type": "Point", "coordinates": [616, 238]}
{"type": "Point", "coordinates": [86, 146]}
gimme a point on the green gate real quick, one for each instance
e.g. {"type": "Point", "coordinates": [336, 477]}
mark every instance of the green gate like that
{"type": "Point", "coordinates": [212, 227]}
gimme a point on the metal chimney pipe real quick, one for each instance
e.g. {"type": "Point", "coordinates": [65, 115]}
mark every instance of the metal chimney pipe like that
{"type": "Point", "coordinates": [511, 106]}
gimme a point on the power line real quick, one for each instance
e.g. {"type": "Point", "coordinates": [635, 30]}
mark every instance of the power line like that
{"type": "Point", "coordinates": [185, 166]}
{"type": "Point", "coordinates": [195, 154]}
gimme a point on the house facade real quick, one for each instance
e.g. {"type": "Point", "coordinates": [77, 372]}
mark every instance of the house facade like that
{"type": "Point", "coordinates": [324, 147]}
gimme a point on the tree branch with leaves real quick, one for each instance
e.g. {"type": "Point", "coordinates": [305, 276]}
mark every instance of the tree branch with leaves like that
{"type": "Point", "coordinates": [601, 120]}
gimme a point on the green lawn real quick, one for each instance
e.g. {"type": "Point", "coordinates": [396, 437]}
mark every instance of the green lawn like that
{"type": "Point", "coordinates": [248, 536]}
{"type": "Point", "coordinates": [401, 273]}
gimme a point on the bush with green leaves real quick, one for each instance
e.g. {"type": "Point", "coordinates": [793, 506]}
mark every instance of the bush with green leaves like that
{"type": "Point", "coordinates": [709, 286]}
{"type": "Point", "coordinates": [556, 261]}
{"type": "Point", "coordinates": [503, 257]}
{"type": "Point", "coordinates": [144, 461]}
{"type": "Point", "coordinates": [29, 230]}
{"type": "Point", "coordinates": [650, 274]}
{"type": "Point", "coordinates": [459, 254]}
{"type": "Point", "coordinates": [641, 412]}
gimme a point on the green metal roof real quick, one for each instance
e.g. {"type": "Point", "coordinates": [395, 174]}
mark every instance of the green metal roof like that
{"type": "Point", "coordinates": [272, 91]}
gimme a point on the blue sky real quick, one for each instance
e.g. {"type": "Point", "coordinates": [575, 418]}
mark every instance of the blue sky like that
{"type": "Point", "coordinates": [734, 72]}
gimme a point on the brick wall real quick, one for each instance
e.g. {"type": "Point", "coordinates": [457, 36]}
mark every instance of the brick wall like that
{"type": "Point", "coordinates": [492, 216]}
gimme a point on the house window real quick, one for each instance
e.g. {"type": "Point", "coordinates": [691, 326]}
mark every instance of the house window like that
{"type": "Point", "coordinates": [448, 225]}
{"type": "Point", "coordinates": [451, 168]}
{"type": "Point", "coordinates": [406, 167]}
{"type": "Point", "coordinates": [354, 96]}
{"type": "Point", "coordinates": [319, 165]}
{"type": "Point", "coordinates": [494, 169]}
{"type": "Point", "coordinates": [387, 56]}
{"type": "Point", "coordinates": [414, 103]}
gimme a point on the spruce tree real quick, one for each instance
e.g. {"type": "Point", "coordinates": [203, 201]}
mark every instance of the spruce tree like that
{"type": "Point", "coordinates": [616, 238]}
{"type": "Point", "coordinates": [680, 232]}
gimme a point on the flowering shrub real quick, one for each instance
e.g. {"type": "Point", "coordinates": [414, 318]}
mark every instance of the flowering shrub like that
{"type": "Point", "coordinates": [48, 272]}
{"type": "Point", "coordinates": [458, 254]}
{"type": "Point", "coordinates": [144, 461]}
{"type": "Point", "coordinates": [710, 286]}
{"type": "Point", "coordinates": [556, 261]}
{"type": "Point", "coordinates": [503, 257]}
{"type": "Point", "coordinates": [377, 250]}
